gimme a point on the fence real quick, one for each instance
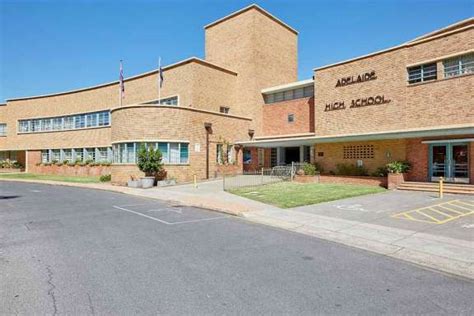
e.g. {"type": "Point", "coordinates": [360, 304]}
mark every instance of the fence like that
{"type": "Point", "coordinates": [261, 177]}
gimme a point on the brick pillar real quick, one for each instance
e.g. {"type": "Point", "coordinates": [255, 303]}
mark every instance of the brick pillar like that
{"type": "Point", "coordinates": [418, 156]}
{"type": "Point", "coordinates": [471, 162]}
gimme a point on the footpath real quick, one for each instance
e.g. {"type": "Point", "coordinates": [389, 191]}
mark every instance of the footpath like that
{"type": "Point", "coordinates": [429, 249]}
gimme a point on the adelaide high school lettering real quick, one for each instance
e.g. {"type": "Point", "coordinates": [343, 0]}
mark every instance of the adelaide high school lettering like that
{"type": "Point", "coordinates": [356, 79]}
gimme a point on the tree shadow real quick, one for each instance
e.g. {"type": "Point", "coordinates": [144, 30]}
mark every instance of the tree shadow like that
{"type": "Point", "coordinates": [7, 197]}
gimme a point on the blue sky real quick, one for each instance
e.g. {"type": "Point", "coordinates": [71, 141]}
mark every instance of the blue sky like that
{"type": "Point", "coordinates": [52, 46]}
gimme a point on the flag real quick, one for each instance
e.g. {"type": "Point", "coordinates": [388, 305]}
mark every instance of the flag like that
{"type": "Point", "coordinates": [161, 77]}
{"type": "Point", "coordinates": [122, 85]}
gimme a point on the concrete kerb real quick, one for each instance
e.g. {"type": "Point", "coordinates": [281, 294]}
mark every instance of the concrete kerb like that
{"type": "Point", "coordinates": [235, 210]}
{"type": "Point", "coordinates": [434, 262]}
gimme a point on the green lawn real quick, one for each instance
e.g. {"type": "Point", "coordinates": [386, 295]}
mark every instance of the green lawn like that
{"type": "Point", "coordinates": [291, 194]}
{"type": "Point", "coordinates": [33, 176]}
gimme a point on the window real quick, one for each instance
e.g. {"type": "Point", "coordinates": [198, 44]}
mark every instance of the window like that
{"type": "Point", "coordinates": [67, 155]}
{"type": "Point", "coordinates": [45, 156]}
{"type": "Point", "coordinates": [166, 101]}
{"type": "Point", "coordinates": [291, 94]}
{"type": "Point", "coordinates": [224, 109]}
{"type": "Point", "coordinates": [88, 120]}
{"type": "Point", "coordinates": [3, 129]}
{"type": "Point", "coordinates": [57, 123]}
{"type": "Point", "coordinates": [230, 153]}
{"type": "Point", "coordinates": [46, 125]}
{"type": "Point", "coordinates": [91, 120]}
{"type": "Point", "coordinates": [358, 152]}
{"type": "Point", "coordinates": [219, 154]}
{"type": "Point", "coordinates": [172, 153]}
{"type": "Point", "coordinates": [104, 119]}
{"type": "Point", "coordinates": [55, 155]}
{"type": "Point", "coordinates": [422, 73]}
{"type": "Point", "coordinates": [79, 154]}
{"type": "Point", "coordinates": [291, 118]}
{"type": "Point", "coordinates": [183, 153]}
{"type": "Point", "coordinates": [459, 66]}
{"type": "Point", "coordinates": [102, 154]}
{"type": "Point", "coordinates": [24, 126]}
{"type": "Point", "coordinates": [247, 156]}
{"type": "Point", "coordinates": [261, 156]}
{"type": "Point", "coordinates": [89, 154]}
{"type": "Point", "coordinates": [69, 122]}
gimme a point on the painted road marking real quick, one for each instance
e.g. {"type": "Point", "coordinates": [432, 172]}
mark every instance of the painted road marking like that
{"type": "Point", "coordinates": [165, 222]}
{"type": "Point", "coordinates": [439, 213]}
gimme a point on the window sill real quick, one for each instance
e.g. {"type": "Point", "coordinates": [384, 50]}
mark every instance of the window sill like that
{"type": "Point", "coordinates": [438, 80]}
{"type": "Point", "coordinates": [64, 130]}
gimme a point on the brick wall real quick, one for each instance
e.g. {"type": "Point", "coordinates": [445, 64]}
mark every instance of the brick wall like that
{"type": "Point", "coordinates": [275, 117]}
{"type": "Point", "coordinates": [443, 102]}
{"type": "Point", "coordinates": [384, 152]}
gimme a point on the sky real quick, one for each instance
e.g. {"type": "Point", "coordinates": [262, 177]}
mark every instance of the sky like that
{"type": "Point", "coordinates": [53, 46]}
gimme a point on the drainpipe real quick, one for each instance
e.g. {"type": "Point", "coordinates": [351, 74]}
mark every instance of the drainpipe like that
{"type": "Point", "coordinates": [208, 127]}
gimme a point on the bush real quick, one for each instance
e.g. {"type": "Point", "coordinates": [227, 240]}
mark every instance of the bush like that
{"type": "Point", "coordinates": [380, 172]}
{"type": "Point", "coordinates": [105, 178]}
{"type": "Point", "coordinates": [343, 169]}
{"type": "Point", "coordinates": [309, 169]}
{"type": "Point", "coordinates": [89, 161]}
{"type": "Point", "coordinates": [149, 160]}
{"type": "Point", "coordinates": [319, 168]}
{"type": "Point", "coordinates": [398, 167]}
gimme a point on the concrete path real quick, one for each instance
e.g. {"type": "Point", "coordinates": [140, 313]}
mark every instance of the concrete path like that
{"type": "Point", "coordinates": [420, 244]}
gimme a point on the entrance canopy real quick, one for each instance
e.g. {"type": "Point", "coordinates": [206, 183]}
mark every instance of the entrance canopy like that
{"type": "Point", "coordinates": [310, 140]}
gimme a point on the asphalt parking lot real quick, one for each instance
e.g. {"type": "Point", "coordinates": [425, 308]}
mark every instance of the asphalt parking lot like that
{"type": "Point", "coordinates": [452, 216]}
{"type": "Point", "coordinates": [67, 250]}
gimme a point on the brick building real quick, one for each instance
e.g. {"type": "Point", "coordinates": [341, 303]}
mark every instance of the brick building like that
{"type": "Point", "coordinates": [241, 108]}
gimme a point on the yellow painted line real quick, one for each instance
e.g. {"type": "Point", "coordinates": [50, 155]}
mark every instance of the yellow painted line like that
{"type": "Point", "coordinates": [442, 213]}
{"type": "Point", "coordinates": [431, 217]}
{"type": "Point", "coordinates": [424, 212]}
{"type": "Point", "coordinates": [461, 206]}
{"type": "Point", "coordinates": [462, 202]}
{"type": "Point", "coordinates": [451, 210]}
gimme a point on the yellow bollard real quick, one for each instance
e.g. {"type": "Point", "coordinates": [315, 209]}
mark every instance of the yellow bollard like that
{"type": "Point", "coordinates": [441, 188]}
{"type": "Point", "coordinates": [195, 181]}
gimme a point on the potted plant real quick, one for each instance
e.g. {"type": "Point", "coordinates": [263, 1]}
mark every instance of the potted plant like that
{"type": "Point", "coordinates": [133, 182]}
{"type": "Point", "coordinates": [149, 162]}
{"type": "Point", "coordinates": [396, 173]}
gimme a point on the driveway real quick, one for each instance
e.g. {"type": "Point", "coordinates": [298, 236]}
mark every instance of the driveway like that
{"type": "Point", "coordinates": [452, 216]}
{"type": "Point", "coordinates": [66, 250]}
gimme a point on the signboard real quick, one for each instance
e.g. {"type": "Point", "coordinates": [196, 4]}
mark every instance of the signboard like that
{"type": "Point", "coordinates": [356, 79]}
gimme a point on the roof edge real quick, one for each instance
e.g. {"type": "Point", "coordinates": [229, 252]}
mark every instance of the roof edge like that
{"type": "Point", "coordinates": [247, 8]}
{"type": "Point", "coordinates": [102, 85]}
{"type": "Point", "coordinates": [291, 85]}
{"type": "Point", "coordinates": [419, 40]}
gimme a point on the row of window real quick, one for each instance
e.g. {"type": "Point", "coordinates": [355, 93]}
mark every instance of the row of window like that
{"type": "Point", "coordinates": [290, 94]}
{"type": "Point", "coordinates": [173, 153]}
{"type": "Point", "coordinates": [79, 121]}
{"type": "Point", "coordinates": [165, 101]}
{"type": "Point", "coordinates": [453, 67]}
{"type": "Point", "coordinates": [100, 154]}
{"type": "Point", "coordinates": [3, 129]}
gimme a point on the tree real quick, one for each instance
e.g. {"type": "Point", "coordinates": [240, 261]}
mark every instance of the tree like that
{"type": "Point", "coordinates": [149, 160]}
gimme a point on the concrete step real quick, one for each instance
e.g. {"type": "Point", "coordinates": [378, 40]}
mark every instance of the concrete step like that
{"type": "Point", "coordinates": [434, 187]}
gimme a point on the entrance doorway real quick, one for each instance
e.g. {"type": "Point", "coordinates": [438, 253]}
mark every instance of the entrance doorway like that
{"type": "Point", "coordinates": [292, 154]}
{"type": "Point", "coordinates": [449, 160]}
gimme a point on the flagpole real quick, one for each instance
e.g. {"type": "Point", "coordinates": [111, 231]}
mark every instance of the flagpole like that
{"type": "Point", "coordinates": [120, 84]}
{"type": "Point", "coordinates": [159, 80]}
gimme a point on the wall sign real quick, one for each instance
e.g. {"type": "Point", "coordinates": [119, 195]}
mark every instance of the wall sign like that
{"type": "Point", "coordinates": [356, 79]}
{"type": "Point", "coordinates": [357, 103]}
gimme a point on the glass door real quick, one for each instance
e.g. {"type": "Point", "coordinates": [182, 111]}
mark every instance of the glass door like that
{"type": "Point", "coordinates": [449, 161]}
{"type": "Point", "coordinates": [439, 160]}
{"type": "Point", "coordinates": [460, 163]}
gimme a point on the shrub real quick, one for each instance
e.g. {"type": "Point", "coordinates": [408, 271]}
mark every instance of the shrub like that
{"type": "Point", "coordinates": [77, 161]}
{"type": "Point", "coordinates": [89, 161]}
{"type": "Point", "coordinates": [149, 160]}
{"type": "Point", "coordinates": [65, 162]}
{"type": "Point", "coordinates": [343, 169]}
{"type": "Point", "coordinates": [105, 178]}
{"type": "Point", "coordinates": [380, 172]}
{"type": "Point", "coordinates": [319, 168]}
{"type": "Point", "coordinates": [398, 167]}
{"type": "Point", "coordinates": [309, 169]}
{"type": "Point", "coordinates": [161, 175]}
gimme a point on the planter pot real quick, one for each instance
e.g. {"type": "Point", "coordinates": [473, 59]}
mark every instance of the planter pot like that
{"type": "Point", "coordinates": [147, 182]}
{"type": "Point", "coordinates": [165, 183]}
{"type": "Point", "coordinates": [394, 180]}
{"type": "Point", "coordinates": [133, 183]}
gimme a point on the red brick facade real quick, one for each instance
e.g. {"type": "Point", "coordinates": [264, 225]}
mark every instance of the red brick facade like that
{"type": "Point", "coordinates": [275, 117]}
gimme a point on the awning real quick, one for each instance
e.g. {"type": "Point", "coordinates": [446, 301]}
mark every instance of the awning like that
{"type": "Point", "coordinates": [409, 133]}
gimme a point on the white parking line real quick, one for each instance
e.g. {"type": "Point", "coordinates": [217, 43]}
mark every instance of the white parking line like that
{"type": "Point", "coordinates": [168, 223]}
